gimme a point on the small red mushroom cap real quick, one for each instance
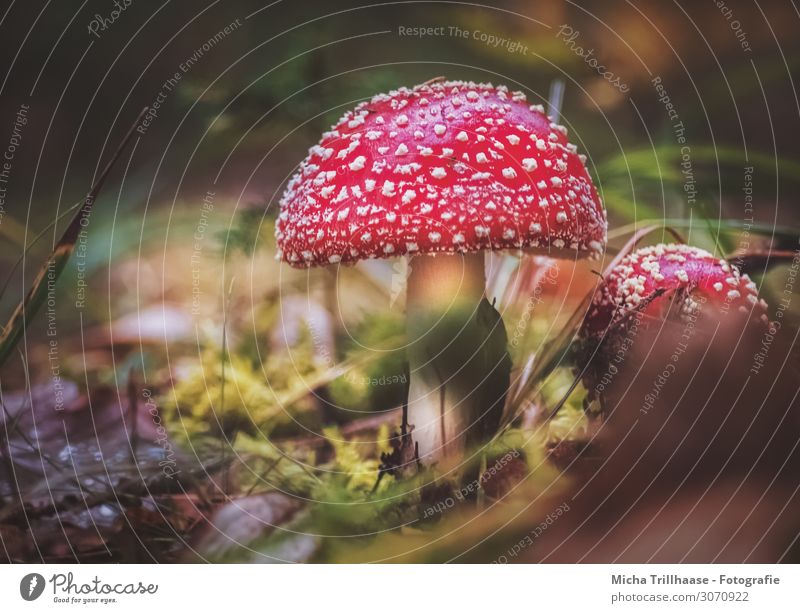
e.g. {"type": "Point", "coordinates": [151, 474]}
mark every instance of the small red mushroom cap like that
{"type": "Point", "coordinates": [635, 282]}
{"type": "Point", "coordinates": [445, 167]}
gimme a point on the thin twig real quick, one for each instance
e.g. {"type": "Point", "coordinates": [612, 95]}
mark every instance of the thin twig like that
{"type": "Point", "coordinates": [133, 413]}
{"type": "Point", "coordinates": [555, 99]}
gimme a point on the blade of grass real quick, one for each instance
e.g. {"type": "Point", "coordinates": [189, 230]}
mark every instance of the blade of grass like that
{"type": "Point", "coordinates": [24, 254]}
{"type": "Point", "coordinates": [224, 358]}
{"type": "Point", "coordinates": [55, 264]}
{"type": "Point", "coordinates": [761, 229]}
{"type": "Point", "coordinates": [724, 156]}
{"type": "Point", "coordinates": [715, 232]}
{"type": "Point", "coordinates": [559, 348]}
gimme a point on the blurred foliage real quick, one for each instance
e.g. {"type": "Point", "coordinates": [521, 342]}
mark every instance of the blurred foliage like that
{"type": "Point", "coordinates": [252, 402]}
{"type": "Point", "coordinates": [381, 382]}
{"type": "Point", "coordinates": [264, 465]}
{"type": "Point", "coordinates": [251, 230]}
{"type": "Point", "coordinates": [569, 423]}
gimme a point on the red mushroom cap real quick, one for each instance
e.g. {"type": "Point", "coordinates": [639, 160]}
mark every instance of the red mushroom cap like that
{"type": "Point", "coordinates": [445, 167]}
{"type": "Point", "coordinates": [639, 275]}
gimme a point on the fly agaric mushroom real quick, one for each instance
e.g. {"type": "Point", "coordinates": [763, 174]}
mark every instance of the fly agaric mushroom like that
{"type": "Point", "coordinates": [648, 282]}
{"type": "Point", "coordinates": [441, 173]}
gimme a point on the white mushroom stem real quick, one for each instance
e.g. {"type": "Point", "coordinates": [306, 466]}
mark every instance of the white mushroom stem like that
{"type": "Point", "coordinates": [458, 363]}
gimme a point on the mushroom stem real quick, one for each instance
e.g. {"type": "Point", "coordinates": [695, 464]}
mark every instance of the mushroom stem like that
{"type": "Point", "coordinates": [458, 359]}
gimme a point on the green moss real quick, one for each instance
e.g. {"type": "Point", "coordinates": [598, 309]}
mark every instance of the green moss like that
{"type": "Point", "coordinates": [256, 400]}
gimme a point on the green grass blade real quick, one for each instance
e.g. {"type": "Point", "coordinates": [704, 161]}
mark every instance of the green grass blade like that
{"type": "Point", "coordinates": [54, 266]}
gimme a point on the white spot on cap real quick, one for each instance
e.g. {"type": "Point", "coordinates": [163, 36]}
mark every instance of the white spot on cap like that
{"type": "Point", "coordinates": [509, 173]}
{"type": "Point", "coordinates": [438, 173]}
{"type": "Point", "coordinates": [439, 129]}
{"type": "Point", "coordinates": [462, 136]}
{"type": "Point", "coordinates": [406, 169]}
{"type": "Point", "coordinates": [561, 217]}
{"type": "Point", "coordinates": [358, 163]}
{"type": "Point", "coordinates": [388, 188]}
{"type": "Point", "coordinates": [401, 149]}
{"type": "Point", "coordinates": [409, 195]}
{"type": "Point", "coordinates": [342, 195]}
{"type": "Point", "coordinates": [435, 237]}
{"type": "Point", "coordinates": [529, 164]}
{"type": "Point", "coordinates": [513, 139]}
